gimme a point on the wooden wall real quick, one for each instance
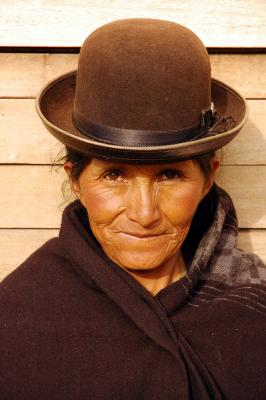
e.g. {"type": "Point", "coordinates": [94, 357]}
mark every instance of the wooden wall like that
{"type": "Point", "coordinates": [37, 41]}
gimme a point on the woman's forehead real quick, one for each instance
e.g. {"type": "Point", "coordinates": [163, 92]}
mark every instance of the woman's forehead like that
{"type": "Point", "coordinates": [97, 166]}
{"type": "Point", "coordinates": [106, 164]}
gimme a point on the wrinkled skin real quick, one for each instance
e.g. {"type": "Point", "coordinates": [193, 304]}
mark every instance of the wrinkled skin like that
{"type": "Point", "coordinates": [141, 214]}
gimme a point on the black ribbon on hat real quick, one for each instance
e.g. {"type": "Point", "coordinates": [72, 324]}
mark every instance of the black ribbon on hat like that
{"type": "Point", "coordinates": [209, 120]}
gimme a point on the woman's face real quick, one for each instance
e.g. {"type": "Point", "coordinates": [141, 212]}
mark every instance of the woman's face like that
{"type": "Point", "coordinates": [141, 214]}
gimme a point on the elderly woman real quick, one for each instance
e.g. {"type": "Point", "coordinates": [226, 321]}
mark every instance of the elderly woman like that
{"type": "Point", "coordinates": [144, 295]}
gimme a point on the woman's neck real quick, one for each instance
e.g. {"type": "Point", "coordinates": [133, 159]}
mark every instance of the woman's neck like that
{"type": "Point", "coordinates": [158, 278]}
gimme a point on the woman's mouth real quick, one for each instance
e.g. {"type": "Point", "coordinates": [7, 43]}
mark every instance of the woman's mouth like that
{"type": "Point", "coordinates": [139, 235]}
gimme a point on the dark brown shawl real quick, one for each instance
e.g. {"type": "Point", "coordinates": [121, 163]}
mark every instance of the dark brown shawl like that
{"type": "Point", "coordinates": [76, 326]}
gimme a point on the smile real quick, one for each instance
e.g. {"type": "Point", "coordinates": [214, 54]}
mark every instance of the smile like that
{"type": "Point", "coordinates": [141, 235]}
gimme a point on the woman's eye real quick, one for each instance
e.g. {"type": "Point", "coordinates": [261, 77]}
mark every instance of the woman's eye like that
{"type": "Point", "coordinates": [170, 174]}
{"type": "Point", "coordinates": [113, 175]}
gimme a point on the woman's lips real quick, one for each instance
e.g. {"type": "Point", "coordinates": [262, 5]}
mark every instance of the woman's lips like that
{"type": "Point", "coordinates": [142, 235]}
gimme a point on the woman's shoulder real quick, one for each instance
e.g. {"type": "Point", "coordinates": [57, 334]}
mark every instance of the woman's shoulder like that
{"type": "Point", "coordinates": [234, 266]}
{"type": "Point", "coordinates": [248, 267]}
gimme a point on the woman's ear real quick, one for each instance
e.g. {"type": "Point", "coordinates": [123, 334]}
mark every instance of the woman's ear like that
{"type": "Point", "coordinates": [209, 180]}
{"type": "Point", "coordinates": [215, 164]}
{"type": "Point", "coordinates": [75, 187]}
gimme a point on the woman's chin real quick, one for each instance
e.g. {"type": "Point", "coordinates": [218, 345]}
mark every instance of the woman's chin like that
{"type": "Point", "coordinates": [140, 262]}
{"type": "Point", "coordinates": [142, 254]}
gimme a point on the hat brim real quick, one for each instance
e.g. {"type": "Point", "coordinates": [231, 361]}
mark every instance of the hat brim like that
{"type": "Point", "coordinates": [55, 105]}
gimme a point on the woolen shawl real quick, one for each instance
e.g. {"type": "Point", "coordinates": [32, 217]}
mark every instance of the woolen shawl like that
{"type": "Point", "coordinates": [76, 326]}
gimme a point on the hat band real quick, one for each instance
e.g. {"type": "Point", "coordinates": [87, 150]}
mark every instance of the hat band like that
{"type": "Point", "coordinates": [131, 137]}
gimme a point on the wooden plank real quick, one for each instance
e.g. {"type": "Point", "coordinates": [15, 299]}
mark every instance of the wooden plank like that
{"type": "Point", "coordinates": [230, 23]}
{"type": "Point", "coordinates": [17, 244]}
{"type": "Point", "coordinates": [253, 241]}
{"type": "Point", "coordinates": [249, 147]}
{"type": "Point", "coordinates": [23, 138]}
{"type": "Point", "coordinates": [247, 187]}
{"type": "Point", "coordinates": [24, 74]}
{"type": "Point", "coordinates": [30, 196]}
{"type": "Point", "coordinates": [244, 72]}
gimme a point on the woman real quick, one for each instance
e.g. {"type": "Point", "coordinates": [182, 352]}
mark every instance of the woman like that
{"type": "Point", "coordinates": [144, 295]}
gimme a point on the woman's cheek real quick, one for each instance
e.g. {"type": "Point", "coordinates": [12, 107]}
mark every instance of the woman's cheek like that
{"type": "Point", "coordinates": [102, 204]}
{"type": "Point", "coordinates": [180, 207]}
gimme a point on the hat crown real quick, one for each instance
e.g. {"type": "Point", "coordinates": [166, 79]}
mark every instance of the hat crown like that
{"type": "Point", "coordinates": [143, 74]}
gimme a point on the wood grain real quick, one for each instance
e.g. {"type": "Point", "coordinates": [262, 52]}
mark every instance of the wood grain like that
{"type": "Point", "coordinates": [30, 196]}
{"type": "Point", "coordinates": [23, 138]}
{"type": "Point", "coordinates": [17, 244]}
{"type": "Point", "coordinates": [230, 23]}
{"type": "Point", "coordinates": [247, 187]}
{"type": "Point", "coordinates": [24, 74]}
{"type": "Point", "coordinates": [253, 241]}
{"type": "Point", "coordinates": [244, 72]}
{"type": "Point", "coordinates": [249, 147]}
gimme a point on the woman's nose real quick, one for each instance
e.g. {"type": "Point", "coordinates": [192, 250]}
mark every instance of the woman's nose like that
{"type": "Point", "coordinates": [143, 205]}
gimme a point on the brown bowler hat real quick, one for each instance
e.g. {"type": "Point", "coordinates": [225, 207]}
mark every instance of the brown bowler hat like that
{"type": "Point", "coordinates": [142, 92]}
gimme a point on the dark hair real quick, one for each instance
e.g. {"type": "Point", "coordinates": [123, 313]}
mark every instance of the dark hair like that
{"type": "Point", "coordinates": [80, 161]}
{"type": "Point", "coordinates": [204, 162]}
